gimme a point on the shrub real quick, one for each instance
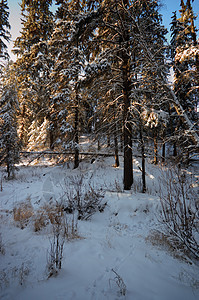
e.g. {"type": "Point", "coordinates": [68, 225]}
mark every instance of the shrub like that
{"type": "Point", "coordinates": [55, 255]}
{"type": "Point", "coordinates": [82, 198]}
{"type": "Point", "coordinates": [180, 206]}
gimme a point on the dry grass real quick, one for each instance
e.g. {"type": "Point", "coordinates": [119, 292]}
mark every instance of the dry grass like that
{"type": "Point", "coordinates": [48, 214]}
{"type": "Point", "coordinates": [23, 212]}
{"type": "Point", "coordinates": [169, 244]}
{"type": "Point", "coordinates": [57, 217]}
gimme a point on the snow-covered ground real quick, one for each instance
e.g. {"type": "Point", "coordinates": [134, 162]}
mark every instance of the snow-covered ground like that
{"type": "Point", "coordinates": [118, 253]}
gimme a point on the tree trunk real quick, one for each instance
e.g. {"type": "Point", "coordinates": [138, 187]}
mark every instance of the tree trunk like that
{"type": "Point", "coordinates": [174, 149]}
{"type": "Point", "coordinates": [76, 162]}
{"type": "Point", "coordinates": [108, 139]}
{"type": "Point", "coordinates": [126, 81]}
{"type": "Point", "coordinates": [128, 159]}
{"type": "Point", "coordinates": [116, 148]}
{"type": "Point", "coordinates": [22, 130]}
{"type": "Point", "coordinates": [98, 145]}
{"type": "Point", "coordinates": [163, 148]}
{"type": "Point", "coordinates": [121, 142]}
{"type": "Point", "coordinates": [155, 147]}
{"type": "Point", "coordinates": [143, 162]}
{"type": "Point", "coordinates": [8, 164]}
{"type": "Point", "coordinates": [163, 151]}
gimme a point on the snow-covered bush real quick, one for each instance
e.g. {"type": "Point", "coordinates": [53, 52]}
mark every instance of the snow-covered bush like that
{"type": "Point", "coordinates": [55, 255]}
{"type": "Point", "coordinates": [83, 198]}
{"type": "Point", "coordinates": [180, 208]}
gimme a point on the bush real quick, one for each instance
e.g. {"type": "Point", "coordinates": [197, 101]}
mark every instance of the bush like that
{"type": "Point", "coordinates": [180, 207]}
{"type": "Point", "coordinates": [82, 198]}
{"type": "Point", "coordinates": [55, 255]}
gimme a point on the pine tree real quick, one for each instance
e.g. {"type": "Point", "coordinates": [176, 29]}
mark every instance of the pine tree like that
{"type": "Point", "coordinates": [4, 29]}
{"type": "Point", "coordinates": [120, 44]}
{"type": "Point", "coordinates": [185, 63]}
{"type": "Point", "coordinates": [68, 47]}
{"type": "Point", "coordinates": [184, 54]}
{"type": "Point", "coordinates": [33, 64]}
{"type": "Point", "coordinates": [9, 143]}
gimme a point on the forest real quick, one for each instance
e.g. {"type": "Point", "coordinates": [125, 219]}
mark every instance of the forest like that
{"type": "Point", "coordinates": [99, 140]}
{"type": "Point", "coordinates": [99, 68]}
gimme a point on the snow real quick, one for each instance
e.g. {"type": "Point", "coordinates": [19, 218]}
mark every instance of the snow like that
{"type": "Point", "coordinates": [118, 241]}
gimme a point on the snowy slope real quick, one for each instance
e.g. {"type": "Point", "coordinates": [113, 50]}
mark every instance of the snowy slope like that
{"type": "Point", "coordinates": [119, 243]}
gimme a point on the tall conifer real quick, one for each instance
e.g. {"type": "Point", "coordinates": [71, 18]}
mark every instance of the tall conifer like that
{"type": "Point", "coordinates": [4, 29]}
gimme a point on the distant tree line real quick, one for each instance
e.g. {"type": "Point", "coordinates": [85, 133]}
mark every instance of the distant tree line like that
{"type": "Point", "coordinates": [99, 68]}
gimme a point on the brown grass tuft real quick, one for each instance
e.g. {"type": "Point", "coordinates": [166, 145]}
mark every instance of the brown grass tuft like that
{"type": "Point", "coordinates": [23, 212]}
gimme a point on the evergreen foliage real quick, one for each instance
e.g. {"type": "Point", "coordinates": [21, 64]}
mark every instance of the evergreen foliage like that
{"type": "Point", "coordinates": [100, 67]}
{"type": "Point", "coordinates": [33, 64]}
{"type": "Point", "coordinates": [9, 143]}
{"type": "Point", "coordinates": [4, 29]}
{"type": "Point", "coordinates": [185, 53]}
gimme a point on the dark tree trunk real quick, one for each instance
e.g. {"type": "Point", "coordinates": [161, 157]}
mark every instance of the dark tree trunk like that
{"type": "Point", "coordinates": [108, 140]}
{"type": "Point", "coordinates": [143, 162]}
{"type": "Point", "coordinates": [163, 152]}
{"type": "Point", "coordinates": [8, 164]}
{"type": "Point", "coordinates": [22, 135]}
{"type": "Point", "coordinates": [128, 159]}
{"type": "Point", "coordinates": [98, 145]}
{"type": "Point", "coordinates": [155, 140]}
{"type": "Point", "coordinates": [127, 133]}
{"type": "Point", "coordinates": [175, 149]}
{"type": "Point", "coordinates": [76, 162]}
{"type": "Point", "coordinates": [163, 148]}
{"type": "Point", "coordinates": [121, 141]}
{"type": "Point", "coordinates": [116, 148]}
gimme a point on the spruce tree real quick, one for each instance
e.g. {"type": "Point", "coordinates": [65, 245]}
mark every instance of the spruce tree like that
{"type": "Point", "coordinates": [185, 59]}
{"type": "Point", "coordinates": [68, 48]}
{"type": "Point", "coordinates": [9, 143]}
{"type": "Point", "coordinates": [4, 29]}
{"type": "Point", "coordinates": [33, 63]}
{"type": "Point", "coordinates": [184, 54]}
{"type": "Point", "coordinates": [130, 73]}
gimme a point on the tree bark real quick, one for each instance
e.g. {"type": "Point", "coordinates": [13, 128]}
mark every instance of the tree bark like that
{"type": "Point", "coordinates": [116, 148]}
{"type": "Point", "coordinates": [128, 159]}
{"type": "Point", "coordinates": [163, 148]}
{"type": "Point", "coordinates": [76, 162]}
{"type": "Point", "coordinates": [143, 162]}
{"type": "Point", "coordinates": [155, 147]}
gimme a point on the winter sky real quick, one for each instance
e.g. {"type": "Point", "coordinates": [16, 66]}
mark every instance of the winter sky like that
{"type": "Point", "coordinates": [168, 7]}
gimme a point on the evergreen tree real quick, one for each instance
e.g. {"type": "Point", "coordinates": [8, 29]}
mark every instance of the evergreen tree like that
{"type": "Point", "coordinates": [4, 29]}
{"type": "Point", "coordinates": [68, 48]}
{"type": "Point", "coordinates": [120, 43]}
{"type": "Point", "coordinates": [9, 146]}
{"type": "Point", "coordinates": [33, 64]}
{"type": "Point", "coordinates": [185, 55]}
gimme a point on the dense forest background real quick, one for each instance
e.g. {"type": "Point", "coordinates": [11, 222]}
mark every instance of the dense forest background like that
{"type": "Point", "coordinates": [99, 68]}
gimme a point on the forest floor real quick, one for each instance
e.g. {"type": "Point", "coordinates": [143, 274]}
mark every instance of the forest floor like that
{"type": "Point", "coordinates": [119, 252]}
